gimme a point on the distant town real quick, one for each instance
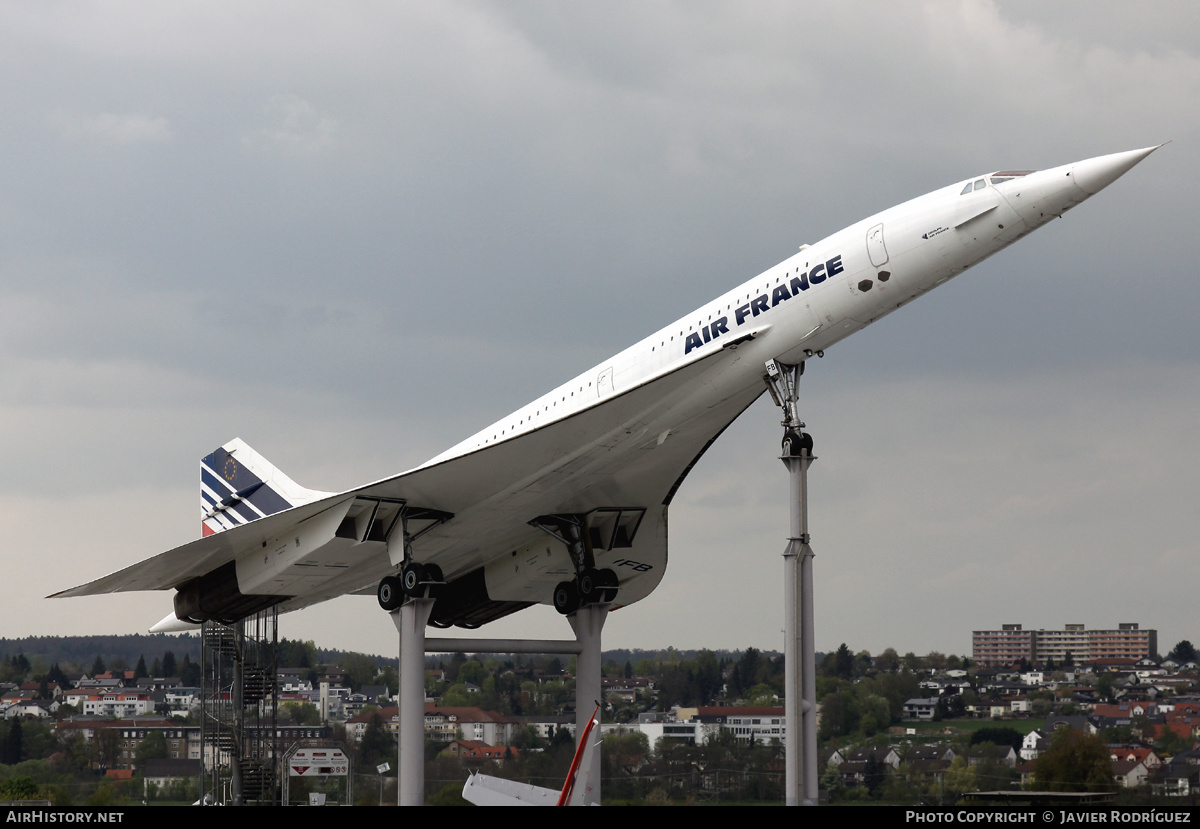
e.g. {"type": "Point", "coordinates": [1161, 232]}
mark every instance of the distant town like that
{"type": "Point", "coordinates": [109, 721]}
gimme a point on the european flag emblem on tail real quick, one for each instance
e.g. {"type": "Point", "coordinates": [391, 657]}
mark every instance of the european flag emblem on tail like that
{"type": "Point", "coordinates": [238, 485]}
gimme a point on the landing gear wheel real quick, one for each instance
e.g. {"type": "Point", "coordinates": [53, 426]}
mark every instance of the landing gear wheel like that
{"type": "Point", "coordinates": [414, 575]}
{"type": "Point", "coordinates": [796, 443]}
{"type": "Point", "coordinates": [607, 579]}
{"type": "Point", "coordinates": [589, 586]}
{"type": "Point", "coordinates": [566, 597]}
{"type": "Point", "coordinates": [390, 593]}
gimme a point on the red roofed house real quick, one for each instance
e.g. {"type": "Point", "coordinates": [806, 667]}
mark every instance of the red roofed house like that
{"type": "Point", "coordinates": [477, 751]}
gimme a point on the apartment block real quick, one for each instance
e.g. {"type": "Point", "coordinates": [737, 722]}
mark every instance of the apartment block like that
{"type": "Point", "coordinates": [1012, 643]}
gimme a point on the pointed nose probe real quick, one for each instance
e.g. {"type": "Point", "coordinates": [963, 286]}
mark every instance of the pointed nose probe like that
{"type": "Point", "coordinates": [1094, 174]}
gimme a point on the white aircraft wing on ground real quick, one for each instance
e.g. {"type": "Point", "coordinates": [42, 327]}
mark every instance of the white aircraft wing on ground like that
{"type": "Point", "coordinates": [565, 500]}
{"type": "Point", "coordinates": [486, 790]}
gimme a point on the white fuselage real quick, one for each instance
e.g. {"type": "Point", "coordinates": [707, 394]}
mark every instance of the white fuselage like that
{"type": "Point", "coordinates": [822, 294]}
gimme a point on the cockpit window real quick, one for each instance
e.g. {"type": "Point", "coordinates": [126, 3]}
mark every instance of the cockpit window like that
{"type": "Point", "coordinates": [978, 184]}
{"type": "Point", "coordinates": [995, 178]}
{"type": "Point", "coordinates": [1009, 175]}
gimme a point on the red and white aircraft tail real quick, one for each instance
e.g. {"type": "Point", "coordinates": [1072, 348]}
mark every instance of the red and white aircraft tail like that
{"type": "Point", "coordinates": [485, 790]}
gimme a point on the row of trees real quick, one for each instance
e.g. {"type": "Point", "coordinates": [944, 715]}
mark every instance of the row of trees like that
{"type": "Point", "coordinates": [1074, 762]}
{"type": "Point", "coordinates": [845, 664]}
{"type": "Point", "coordinates": [179, 657]}
{"type": "Point", "coordinates": [18, 669]}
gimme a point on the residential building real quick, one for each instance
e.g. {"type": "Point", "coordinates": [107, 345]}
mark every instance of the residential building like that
{"type": "Point", "coordinates": [658, 726]}
{"type": "Point", "coordinates": [920, 708]}
{"type": "Point", "coordinates": [760, 724]}
{"type": "Point", "coordinates": [183, 741]}
{"type": "Point", "coordinates": [121, 703]}
{"type": "Point", "coordinates": [478, 751]}
{"type": "Point", "coordinates": [1012, 643]}
{"type": "Point", "coordinates": [444, 724]}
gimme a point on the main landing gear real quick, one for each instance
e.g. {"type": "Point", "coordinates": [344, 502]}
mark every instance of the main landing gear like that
{"type": "Point", "coordinates": [411, 595]}
{"type": "Point", "coordinates": [414, 581]}
{"type": "Point", "coordinates": [592, 586]}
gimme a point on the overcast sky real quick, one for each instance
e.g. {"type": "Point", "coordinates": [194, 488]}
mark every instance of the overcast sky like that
{"type": "Point", "coordinates": [354, 233]}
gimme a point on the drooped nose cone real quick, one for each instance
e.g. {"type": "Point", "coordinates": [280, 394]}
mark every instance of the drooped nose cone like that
{"type": "Point", "coordinates": [1045, 194]}
{"type": "Point", "coordinates": [1094, 174]}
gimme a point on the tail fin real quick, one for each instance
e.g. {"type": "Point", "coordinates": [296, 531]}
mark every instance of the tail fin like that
{"type": "Point", "coordinates": [483, 790]}
{"type": "Point", "coordinates": [238, 485]}
{"type": "Point", "coordinates": [576, 792]}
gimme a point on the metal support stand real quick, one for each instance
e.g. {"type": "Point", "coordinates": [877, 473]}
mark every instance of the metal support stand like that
{"type": "Point", "coordinates": [587, 622]}
{"type": "Point", "coordinates": [800, 681]}
{"type": "Point", "coordinates": [410, 621]}
{"type": "Point", "coordinates": [799, 658]}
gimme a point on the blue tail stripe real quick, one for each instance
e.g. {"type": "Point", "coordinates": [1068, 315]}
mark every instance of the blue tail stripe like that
{"type": "Point", "coordinates": [268, 500]}
{"type": "Point", "coordinates": [244, 511]}
{"type": "Point", "coordinates": [213, 483]}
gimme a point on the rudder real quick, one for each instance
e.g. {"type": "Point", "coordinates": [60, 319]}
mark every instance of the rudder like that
{"type": "Point", "coordinates": [238, 485]}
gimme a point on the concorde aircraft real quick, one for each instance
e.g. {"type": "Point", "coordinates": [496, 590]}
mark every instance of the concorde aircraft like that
{"type": "Point", "coordinates": [565, 501]}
